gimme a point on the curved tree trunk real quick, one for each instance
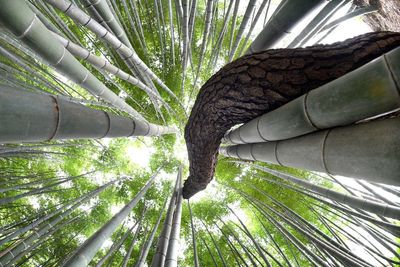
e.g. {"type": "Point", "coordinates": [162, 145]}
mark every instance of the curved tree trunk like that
{"type": "Point", "coordinates": [261, 82]}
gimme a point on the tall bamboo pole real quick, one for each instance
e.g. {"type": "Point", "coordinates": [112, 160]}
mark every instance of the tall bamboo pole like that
{"type": "Point", "coordinates": [103, 64]}
{"type": "Point", "coordinates": [44, 227]}
{"type": "Point", "coordinates": [369, 151]}
{"type": "Point", "coordinates": [163, 240]}
{"type": "Point", "coordinates": [82, 18]}
{"type": "Point", "coordinates": [85, 253]}
{"type": "Point", "coordinates": [195, 257]}
{"type": "Point", "coordinates": [138, 228]}
{"type": "Point", "coordinates": [386, 210]}
{"type": "Point", "coordinates": [171, 258]}
{"type": "Point", "coordinates": [242, 27]}
{"type": "Point", "coordinates": [281, 22]}
{"type": "Point", "coordinates": [20, 19]}
{"type": "Point", "coordinates": [368, 91]}
{"type": "Point", "coordinates": [310, 30]}
{"type": "Point", "coordinates": [32, 117]}
{"type": "Point", "coordinates": [146, 247]}
{"type": "Point", "coordinates": [105, 12]}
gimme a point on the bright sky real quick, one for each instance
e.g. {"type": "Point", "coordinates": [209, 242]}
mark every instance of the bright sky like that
{"type": "Point", "coordinates": [140, 154]}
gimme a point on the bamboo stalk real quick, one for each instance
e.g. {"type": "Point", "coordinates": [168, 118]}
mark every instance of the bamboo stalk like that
{"type": "Point", "coordinates": [44, 228]}
{"type": "Point", "coordinates": [281, 23]}
{"type": "Point", "coordinates": [32, 117]}
{"type": "Point", "coordinates": [195, 257]}
{"type": "Point", "coordinates": [328, 10]}
{"type": "Point", "coordinates": [85, 253]}
{"type": "Point", "coordinates": [139, 226]}
{"type": "Point", "coordinates": [82, 18]}
{"type": "Point", "coordinates": [368, 151]}
{"type": "Point", "coordinates": [358, 12]}
{"type": "Point", "coordinates": [103, 64]}
{"type": "Point", "coordinates": [105, 12]}
{"type": "Point", "coordinates": [171, 258]}
{"type": "Point", "coordinates": [17, 16]}
{"type": "Point", "coordinates": [163, 240]}
{"type": "Point", "coordinates": [386, 210]}
{"type": "Point", "coordinates": [366, 92]}
{"type": "Point", "coordinates": [149, 242]}
{"type": "Point", "coordinates": [242, 27]}
{"type": "Point", "coordinates": [340, 255]}
{"type": "Point", "coordinates": [114, 247]}
{"type": "Point", "coordinates": [253, 24]}
{"type": "Point", "coordinates": [207, 26]}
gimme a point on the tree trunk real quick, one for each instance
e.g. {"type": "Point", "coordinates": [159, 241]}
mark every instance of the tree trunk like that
{"type": "Point", "coordinates": [388, 16]}
{"type": "Point", "coordinates": [261, 82]}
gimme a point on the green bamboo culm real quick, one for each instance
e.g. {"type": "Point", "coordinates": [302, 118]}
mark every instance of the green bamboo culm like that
{"type": "Point", "coordinates": [20, 19]}
{"type": "Point", "coordinates": [281, 22]}
{"type": "Point", "coordinates": [127, 54]}
{"type": "Point", "coordinates": [33, 117]}
{"type": "Point", "coordinates": [103, 64]}
{"type": "Point", "coordinates": [171, 258]}
{"type": "Point", "coordinates": [242, 27]}
{"type": "Point", "coordinates": [317, 22]}
{"type": "Point", "coordinates": [194, 243]}
{"type": "Point", "coordinates": [385, 210]}
{"type": "Point", "coordinates": [105, 13]}
{"type": "Point", "coordinates": [163, 240]}
{"type": "Point", "coordinates": [85, 253]}
{"type": "Point", "coordinates": [358, 12]}
{"type": "Point", "coordinates": [7, 258]}
{"type": "Point", "coordinates": [369, 151]}
{"type": "Point", "coordinates": [368, 91]}
{"type": "Point", "coordinates": [148, 244]}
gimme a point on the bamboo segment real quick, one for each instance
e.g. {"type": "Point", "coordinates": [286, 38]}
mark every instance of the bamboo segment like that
{"type": "Point", "coordinates": [317, 22]}
{"type": "Point", "coordinates": [369, 151]}
{"type": "Point", "coordinates": [17, 16]}
{"type": "Point", "coordinates": [243, 25]}
{"type": "Point", "coordinates": [131, 247]}
{"type": "Point", "coordinates": [358, 12]}
{"type": "Point", "coordinates": [171, 259]}
{"type": "Point", "coordinates": [77, 15]}
{"type": "Point", "coordinates": [206, 31]}
{"type": "Point", "coordinates": [281, 22]}
{"type": "Point", "coordinates": [368, 91]}
{"type": "Point", "coordinates": [45, 227]}
{"type": "Point", "coordinates": [149, 242]}
{"type": "Point", "coordinates": [382, 209]}
{"type": "Point", "coordinates": [253, 24]}
{"type": "Point", "coordinates": [163, 240]}
{"type": "Point", "coordinates": [95, 14]}
{"type": "Point", "coordinates": [85, 253]}
{"type": "Point", "coordinates": [116, 246]}
{"type": "Point", "coordinates": [195, 257]}
{"type": "Point", "coordinates": [32, 117]}
{"type": "Point", "coordinates": [103, 64]}
{"type": "Point", "coordinates": [171, 28]}
{"type": "Point", "coordinates": [105, 12]}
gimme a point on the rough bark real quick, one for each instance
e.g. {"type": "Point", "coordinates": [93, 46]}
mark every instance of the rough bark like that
{"type": "Point", "coordinates": [258, 83]}
{"type": "Point", "coordinates": [386, 19]}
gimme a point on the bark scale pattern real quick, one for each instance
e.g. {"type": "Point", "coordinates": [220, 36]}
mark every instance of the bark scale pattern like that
{"type": "Point", "coordinates": [261, 82]}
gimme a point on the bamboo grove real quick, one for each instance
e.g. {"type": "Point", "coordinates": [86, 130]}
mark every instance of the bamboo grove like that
{"type": "Point", "coordinates": [94, 95]}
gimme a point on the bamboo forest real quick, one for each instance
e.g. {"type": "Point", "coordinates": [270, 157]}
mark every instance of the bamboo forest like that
{"type": "Point", "coordinates": [200, 133]}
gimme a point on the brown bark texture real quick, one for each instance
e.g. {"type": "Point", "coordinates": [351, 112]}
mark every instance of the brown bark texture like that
{"type": "Point", "coordinates": [256, 84]}
{"type": "Point", "coordinates": [387, 18]}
